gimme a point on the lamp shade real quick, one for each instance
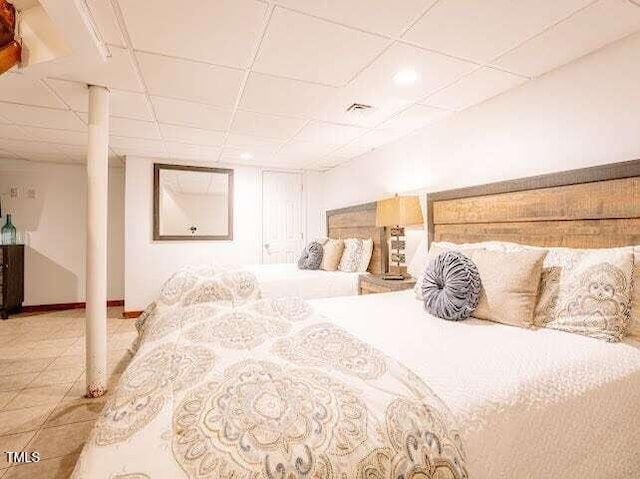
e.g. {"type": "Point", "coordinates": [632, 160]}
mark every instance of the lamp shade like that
{"type": "Point", "coordinates": [399, 211]}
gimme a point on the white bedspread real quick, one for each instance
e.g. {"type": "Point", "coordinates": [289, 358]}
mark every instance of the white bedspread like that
{"type": "Point", "coordinates": [529, 404]}
{"type": "Point", "coordinates": [280, 280]}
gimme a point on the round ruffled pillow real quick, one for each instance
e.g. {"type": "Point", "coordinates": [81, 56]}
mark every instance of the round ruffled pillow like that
{"type": "Point", "coordinates": [451, 286]}
{"type": "Point", "coordinates": [311, 257]}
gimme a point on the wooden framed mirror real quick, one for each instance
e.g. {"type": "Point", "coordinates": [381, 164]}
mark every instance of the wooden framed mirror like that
{"type": "Point", "coordinates": [192, 203]}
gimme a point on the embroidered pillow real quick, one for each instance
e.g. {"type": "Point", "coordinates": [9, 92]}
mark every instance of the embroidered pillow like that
{"type": "Point", "coordinates": [311, 257]}
{"type": "Point", "coordinates": [451, 286]}
{"type": "Point", "coordinates": [356, 255]}
{"type": "Point", "coordinates": [587, 292]}
{"type": "Point", "coordinates": [634, 327]}
{"type": "Point", "coordinates": [332, 252]}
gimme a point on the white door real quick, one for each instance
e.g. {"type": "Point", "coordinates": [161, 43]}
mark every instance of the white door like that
{"type": "Point", "coordinates": [282, 238]}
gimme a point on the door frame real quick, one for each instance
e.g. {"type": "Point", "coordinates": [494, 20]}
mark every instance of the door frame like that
{"type": "Point", "coordinates": [303, 203]}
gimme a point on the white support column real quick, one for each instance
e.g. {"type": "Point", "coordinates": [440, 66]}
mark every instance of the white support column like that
{"type": "Point", "coordinates": [96, 259]}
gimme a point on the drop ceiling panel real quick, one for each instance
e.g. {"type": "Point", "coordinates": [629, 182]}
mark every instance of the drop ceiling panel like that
{"type": "Point", "coordinates": [307, 48]}
{"type": "Point", "coordinates": [375, 138]}
{"type": "Point", "coordinates": [329, 133]}
{"type": "Point", "coordinates": [586, 31]}
{"type": "Point", "coordinates": [388, 17]}
{"type": "Point", "coordinates": [185, 113]}
{"type": "Point", "coordinates": [375, 86]}
{"type": "Point", "coordinates": [47, 152]}
{"type": "Point", "coordinates": [10, 132]}
{"type": "Point", "coordinates": [65, 137]}
{"type": "Point", "coordinates": [432, 70]}
{"type": "Point", "coordinates": [193, 81]}
{"type": "Point", "coordinates": [41, 117]}
{"type": "Point", "coordinates": [267, 126]}
{"type": "Point", "coordinates": [475, 88]}
{"type": "Point", "coordinates": [195, 136]}
{"type": "Point", "coordinates": [124, 104]}
{"type": "Point", "coordinates": [383, 107]}
{"type": "Point", "coordinates": [352, 150]}
{"type": "Point", "coordinates": [282, 96]}
{"type": "Point", "coordinates": [105, 19]}
{"type": "Point", "coordinates": [118, 71]}
{"type": "Point", "coordinates": [20, 88]}
{"type": "Point", "coordinates": [480, 31]}
{"type": "Point", "coordinates": [136, 146]}
{"type": "Point", "coordinates": [192, 152]}
{"type": "Point", "coordinates": [306, 150]}
{"type": "Point", "coordinates": [134, 128]}
{"type": "Point", "coordinates": [414, 118]}
{"type": "Point", "coordinates": [253, 142]}
{"type": "Point", "coordinates": [256, 154]}
{"type": "Point", "coordinates": [5, 155]}
{"type": "Point", "coordinates": [130, 128]}
{"type": "Point", "coordinates": [224, 32]}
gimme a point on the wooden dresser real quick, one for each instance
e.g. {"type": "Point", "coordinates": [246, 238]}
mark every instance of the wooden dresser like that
{"type": "Point", "coordinates": [11, 279]}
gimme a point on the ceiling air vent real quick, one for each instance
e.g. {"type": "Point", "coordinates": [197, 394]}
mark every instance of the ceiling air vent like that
{"type": "Point", "coordinates": [360, 109]}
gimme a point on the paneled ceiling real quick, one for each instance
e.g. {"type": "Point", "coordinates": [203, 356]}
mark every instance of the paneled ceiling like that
{"type": "Point", "coordinates": [269, 82]}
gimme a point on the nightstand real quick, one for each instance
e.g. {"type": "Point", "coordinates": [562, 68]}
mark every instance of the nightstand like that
{"type": "Point", "coordinates": [371, 284]}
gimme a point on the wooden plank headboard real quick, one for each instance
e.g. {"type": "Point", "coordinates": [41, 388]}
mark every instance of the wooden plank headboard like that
{"type": "Point", "coordinates": [597, 207]}
{"type": "Point", "coordinates": [360, 222]}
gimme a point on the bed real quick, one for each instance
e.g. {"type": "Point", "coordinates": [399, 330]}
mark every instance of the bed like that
{"type": "Point", "coordinates": [372, 386]}
{"type": "Point", "coordinates": [286, 279]}
{"type": "Point", "coordinates": [359, 221]}
{"type": "Point", "coordinates": [280, 280]}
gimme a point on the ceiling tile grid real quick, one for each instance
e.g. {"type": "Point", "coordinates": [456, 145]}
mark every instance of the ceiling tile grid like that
{"type": "Point", "coordinates": [270, 82]}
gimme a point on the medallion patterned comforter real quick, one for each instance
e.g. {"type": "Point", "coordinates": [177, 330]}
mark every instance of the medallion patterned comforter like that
{"type": "Point", "coordinates": [224, 384]}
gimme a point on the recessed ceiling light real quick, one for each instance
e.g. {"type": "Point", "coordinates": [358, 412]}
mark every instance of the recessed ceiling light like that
{"type": "Point", "coordinates": [405, 77]}
{"type": "Point", "coordinates": [246, 156]}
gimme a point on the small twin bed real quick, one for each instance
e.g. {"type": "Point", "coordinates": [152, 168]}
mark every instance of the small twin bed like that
{"type": "Point", "coordinates": [281, 280]}
{"type": "Point", "coordinates": [356, 222]}
{"type": "Point", "coordinates": [227, 382]}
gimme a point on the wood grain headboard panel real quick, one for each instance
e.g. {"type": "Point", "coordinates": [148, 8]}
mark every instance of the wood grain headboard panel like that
{"type": "Point", "coordinates": [360, 222]}
{"type": "Point", "coordinates": [596, 207]}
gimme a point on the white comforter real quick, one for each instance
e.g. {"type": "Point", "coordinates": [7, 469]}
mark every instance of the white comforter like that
{"type": "Point", "coordinates": [529, 404]}
{"type": "Point", "coordinates": [281, 280]}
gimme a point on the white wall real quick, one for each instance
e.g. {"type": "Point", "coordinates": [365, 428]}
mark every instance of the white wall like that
{"type": "Point", "coordinates": [314, 198]}
{"type": "Point", "coordinates": [586, 113]}
{"type": "Point", "coordinates": [53, 227]}
{"type": "Point", "coordinates": [180, 211]}
{"type": "Point", "coordinates": [149, 263]}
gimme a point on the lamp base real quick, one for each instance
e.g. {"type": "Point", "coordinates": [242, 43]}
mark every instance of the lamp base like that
{"type": "Point", "coordinates": [393, 276]}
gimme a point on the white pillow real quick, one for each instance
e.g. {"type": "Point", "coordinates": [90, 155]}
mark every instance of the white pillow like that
{"type": "Point", "coordinates": [356, 255]}
{"type": "Point", "coordinates": [419, 261]}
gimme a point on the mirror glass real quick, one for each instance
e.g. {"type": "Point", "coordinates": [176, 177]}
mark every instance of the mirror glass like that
{"type": "Point", "coordinates": [193, 203]}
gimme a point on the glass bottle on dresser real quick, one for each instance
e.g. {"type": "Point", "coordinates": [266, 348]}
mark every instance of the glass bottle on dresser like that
{"type": "Point", "coordinates": [8, 232]}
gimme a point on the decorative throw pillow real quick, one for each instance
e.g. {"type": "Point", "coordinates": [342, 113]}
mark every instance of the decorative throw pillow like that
{"type": "Point", "coordinates": [311, 257]}
{"type": "Point", "coordinates": [634, 327]}
{"type": "Point", "coordinates": [510, 282]}
{"type": "Point", "coordinates": [435, 250]}
{"type": "Point", "coordinates": [356, 255]}
{"type": "Point", "coordinates": [587, 292]}
{"type": "Point", "coordinates": [451, 286]}
{"type": "Point", "coordinates": [331, 255]}
{"type": "Point", "coordinates": [419, 259]}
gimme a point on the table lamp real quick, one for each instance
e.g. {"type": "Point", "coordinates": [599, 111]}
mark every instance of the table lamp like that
{"type": "Point", "coordinates": [396, 213]}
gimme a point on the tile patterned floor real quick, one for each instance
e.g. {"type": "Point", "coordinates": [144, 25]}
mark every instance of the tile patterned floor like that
{"type": "Point", "coordinates": [42, 383]}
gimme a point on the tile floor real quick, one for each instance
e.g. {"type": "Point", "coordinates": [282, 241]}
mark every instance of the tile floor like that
{"type": "Point", "coordinates": [42, 383]}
